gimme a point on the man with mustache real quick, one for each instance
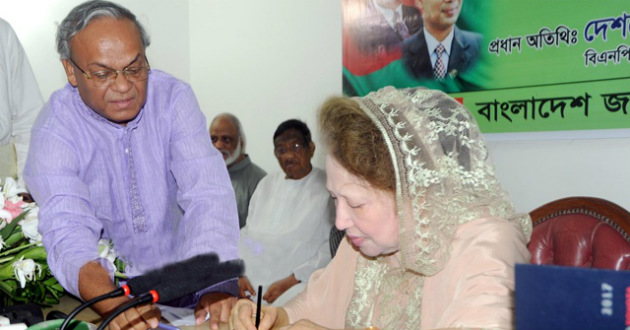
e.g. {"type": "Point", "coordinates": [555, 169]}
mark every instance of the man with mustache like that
{"type": "Point", "coordinates": [290, 216]}
{"type": "Point", "coordinates": [440, 49]}
{"type": "Point", "coordinates": [122, 153]}
{"type": "Point", "coordinates": [227, 135]}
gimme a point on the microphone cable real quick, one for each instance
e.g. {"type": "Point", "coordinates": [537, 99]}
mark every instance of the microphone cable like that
{"type": "Point", "coordinates": [150, 280]}
{"type": "Point", "coordinates": [148, 297]}
{"type": "Point", "coordinates": [200, 272]}
{"type": "Point", "coordinates": [122, 291]}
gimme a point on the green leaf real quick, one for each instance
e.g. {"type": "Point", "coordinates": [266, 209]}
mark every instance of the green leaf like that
{"type": "Point", "coordinates": [57, 287]}
{"type": "Point", "coordinates": [8, 230]}
{"type": "Point", "coordinates": [35, 253]}
{"type": "Point", "coordinates": [6, 270]}
{"type": "Point", "coordinates": [15, 249]}
{"type": "Point", "coordinates": [50, 281]}
{"type": "Point", "coordinates": [50, 301]}
{"type": "Point", "coordinates": [14, 238]}
{"type": "Point", "coordinates": [7, 288]}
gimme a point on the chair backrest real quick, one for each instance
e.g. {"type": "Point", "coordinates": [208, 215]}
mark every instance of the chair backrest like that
{"type": "Point", "coordinates": [581, 231]}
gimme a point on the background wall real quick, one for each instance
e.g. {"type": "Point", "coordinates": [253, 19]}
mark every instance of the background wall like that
{"type": "Point", "coordinates": [268, 61]}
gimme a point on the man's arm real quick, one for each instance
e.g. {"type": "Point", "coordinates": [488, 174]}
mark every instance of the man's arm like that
{"type": "Point", "coordinates": [205, 193]}
{"type": "Point", "coordinates": [94, 280]}
{"type": "Point", "coordinates": [279, 287]}
{"type": "Point", "coordinates": [67, 219]}
{"type": "Point", "coordinates": [25, 99]}
{"type": "Point", "coordinates": [322, 257]}
{"type": "Point", "coordinates": [302, 272]}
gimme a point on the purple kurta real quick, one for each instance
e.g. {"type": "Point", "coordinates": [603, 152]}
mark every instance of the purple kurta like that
{"type": "Point", "coordinates": [156, 187]}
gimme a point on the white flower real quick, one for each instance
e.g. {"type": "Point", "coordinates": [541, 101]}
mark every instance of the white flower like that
{"type": "Point", "coordinates": [25, 270]}
{"type": "Point", "coordinates": [29, 226]}
{"type": "Point", "coordinates": [10, 189]}
{"type": "Point", "coordinates": [106, 250]}
{"type": "Point", "coordinates": [2, 244]}
{"type": "Point", "coordinates": [11, 205]}
{"type": "Point", "coordinates": [4, 214]}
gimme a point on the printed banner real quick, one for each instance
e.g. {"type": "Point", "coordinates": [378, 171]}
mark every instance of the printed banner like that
{"type": "Point", "coordinates": [518, 66]}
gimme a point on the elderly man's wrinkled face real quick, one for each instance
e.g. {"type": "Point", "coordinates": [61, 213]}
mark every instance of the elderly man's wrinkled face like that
{"type": "Point", "coordinates": [107, 43]}
{"type": "Point", "coordinates": [224, 135]}
{"type": "Point", "coordinates": [294, 154]}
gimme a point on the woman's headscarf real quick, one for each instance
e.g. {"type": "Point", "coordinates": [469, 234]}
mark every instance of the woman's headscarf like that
{"type": "Point", "coordinates": [443, 179]}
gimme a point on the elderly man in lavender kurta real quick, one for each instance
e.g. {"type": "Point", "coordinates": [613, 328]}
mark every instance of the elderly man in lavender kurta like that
{"type": "Point", "coordinates": [122, 153]}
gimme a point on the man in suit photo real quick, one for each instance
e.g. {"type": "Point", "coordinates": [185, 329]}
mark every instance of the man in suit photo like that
{"type": "Point", "coordinates": [440, 49]}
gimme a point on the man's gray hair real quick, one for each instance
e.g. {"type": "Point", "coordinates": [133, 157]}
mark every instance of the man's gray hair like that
{"type": "Point", "coordinates": [82, 14]}
{"type": "Point", "coordinates": [237, 123]}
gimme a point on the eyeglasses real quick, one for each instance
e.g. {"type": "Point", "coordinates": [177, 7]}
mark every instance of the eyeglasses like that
{"type": "Point", "coordinates": [297, 148]}
{"type": "Point", "coordinates": [106, 77]}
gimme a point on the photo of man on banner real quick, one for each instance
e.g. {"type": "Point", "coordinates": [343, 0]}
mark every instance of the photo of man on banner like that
{"type": "Point", "coordinates": [440, 49]}
{"type": "Point", "coordinates": [396, 43]}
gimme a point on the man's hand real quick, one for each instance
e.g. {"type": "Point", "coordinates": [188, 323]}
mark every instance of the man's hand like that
{"type": "Point", "coordinates": [94, 281]}
{"type": "Point", "coordinates": [139, 318]}
{"type": "Point", "coordinates": [279, 287]}
{"type": "Point", "coordinates": [245, 286]}
{"type": "Point", "coordinates": [218, 304]}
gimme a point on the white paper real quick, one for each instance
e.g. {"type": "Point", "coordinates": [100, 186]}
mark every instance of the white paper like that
{"type": "Point", "coordinates": [179, 316]}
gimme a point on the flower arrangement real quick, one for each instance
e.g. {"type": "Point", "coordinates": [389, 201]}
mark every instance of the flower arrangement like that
{"type": "Point", "coordinates": [24, 273]}
{"type": "Point", "coordinates": [106, 251]}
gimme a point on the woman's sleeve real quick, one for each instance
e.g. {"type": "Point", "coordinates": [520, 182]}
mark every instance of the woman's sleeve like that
{"type": "Point", "coordinates": [476, 288]}
{"type": "Point", "coordinates": [328, 291]}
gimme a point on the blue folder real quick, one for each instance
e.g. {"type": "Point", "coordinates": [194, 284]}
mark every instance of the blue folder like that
{"type": "Point", "coordinates": [575, 298]}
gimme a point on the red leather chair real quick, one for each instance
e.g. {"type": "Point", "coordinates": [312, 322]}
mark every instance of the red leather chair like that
{"type": "Point", "coordinates": [583, 232]}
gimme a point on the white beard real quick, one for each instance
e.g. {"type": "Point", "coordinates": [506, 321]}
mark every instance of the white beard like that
{"type": "Point", "coordinates": [234, 156]}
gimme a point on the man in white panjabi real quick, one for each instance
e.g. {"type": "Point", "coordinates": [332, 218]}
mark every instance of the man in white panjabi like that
{"type": "Point", "coordinates": [20, 102]}
{"type": "Point", "coordinates": [289, 220]}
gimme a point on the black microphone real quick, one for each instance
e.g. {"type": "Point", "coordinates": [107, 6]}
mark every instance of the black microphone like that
{"type": "Point", "coordinates": [184, 286]}
{"type": "Point", "coordinates": [197, 266]}
{"type": "Point", "coordinates": [193, 268]}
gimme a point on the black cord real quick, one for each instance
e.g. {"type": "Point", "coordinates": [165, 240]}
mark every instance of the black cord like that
{"type": "Point", "coordinates": [141, 299]}
{"type": "Point", "coordinates": [116, 293]}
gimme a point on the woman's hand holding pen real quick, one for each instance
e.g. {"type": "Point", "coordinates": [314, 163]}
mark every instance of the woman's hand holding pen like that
{"type": "Point", "coordinates": [243, 316]}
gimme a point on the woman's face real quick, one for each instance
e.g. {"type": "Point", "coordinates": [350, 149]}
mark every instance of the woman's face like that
{"type": "Point", "coordinates": [367, 215]}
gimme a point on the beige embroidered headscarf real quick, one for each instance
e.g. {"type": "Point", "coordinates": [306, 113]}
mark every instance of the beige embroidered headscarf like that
{"type": "Point", "coordinates": [443, 179]}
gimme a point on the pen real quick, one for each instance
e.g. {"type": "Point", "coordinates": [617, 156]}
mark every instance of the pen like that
{"type": "Point", "coordinates": [167, 326]}
{"type": "Point", "coordinates": [258, 305]}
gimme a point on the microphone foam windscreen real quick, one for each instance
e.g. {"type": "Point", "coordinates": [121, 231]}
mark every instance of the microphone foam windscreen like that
{"type": "Point", "coordinates": [212, 274]}
{"type": "Point", "coordinates": [192, 269]}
